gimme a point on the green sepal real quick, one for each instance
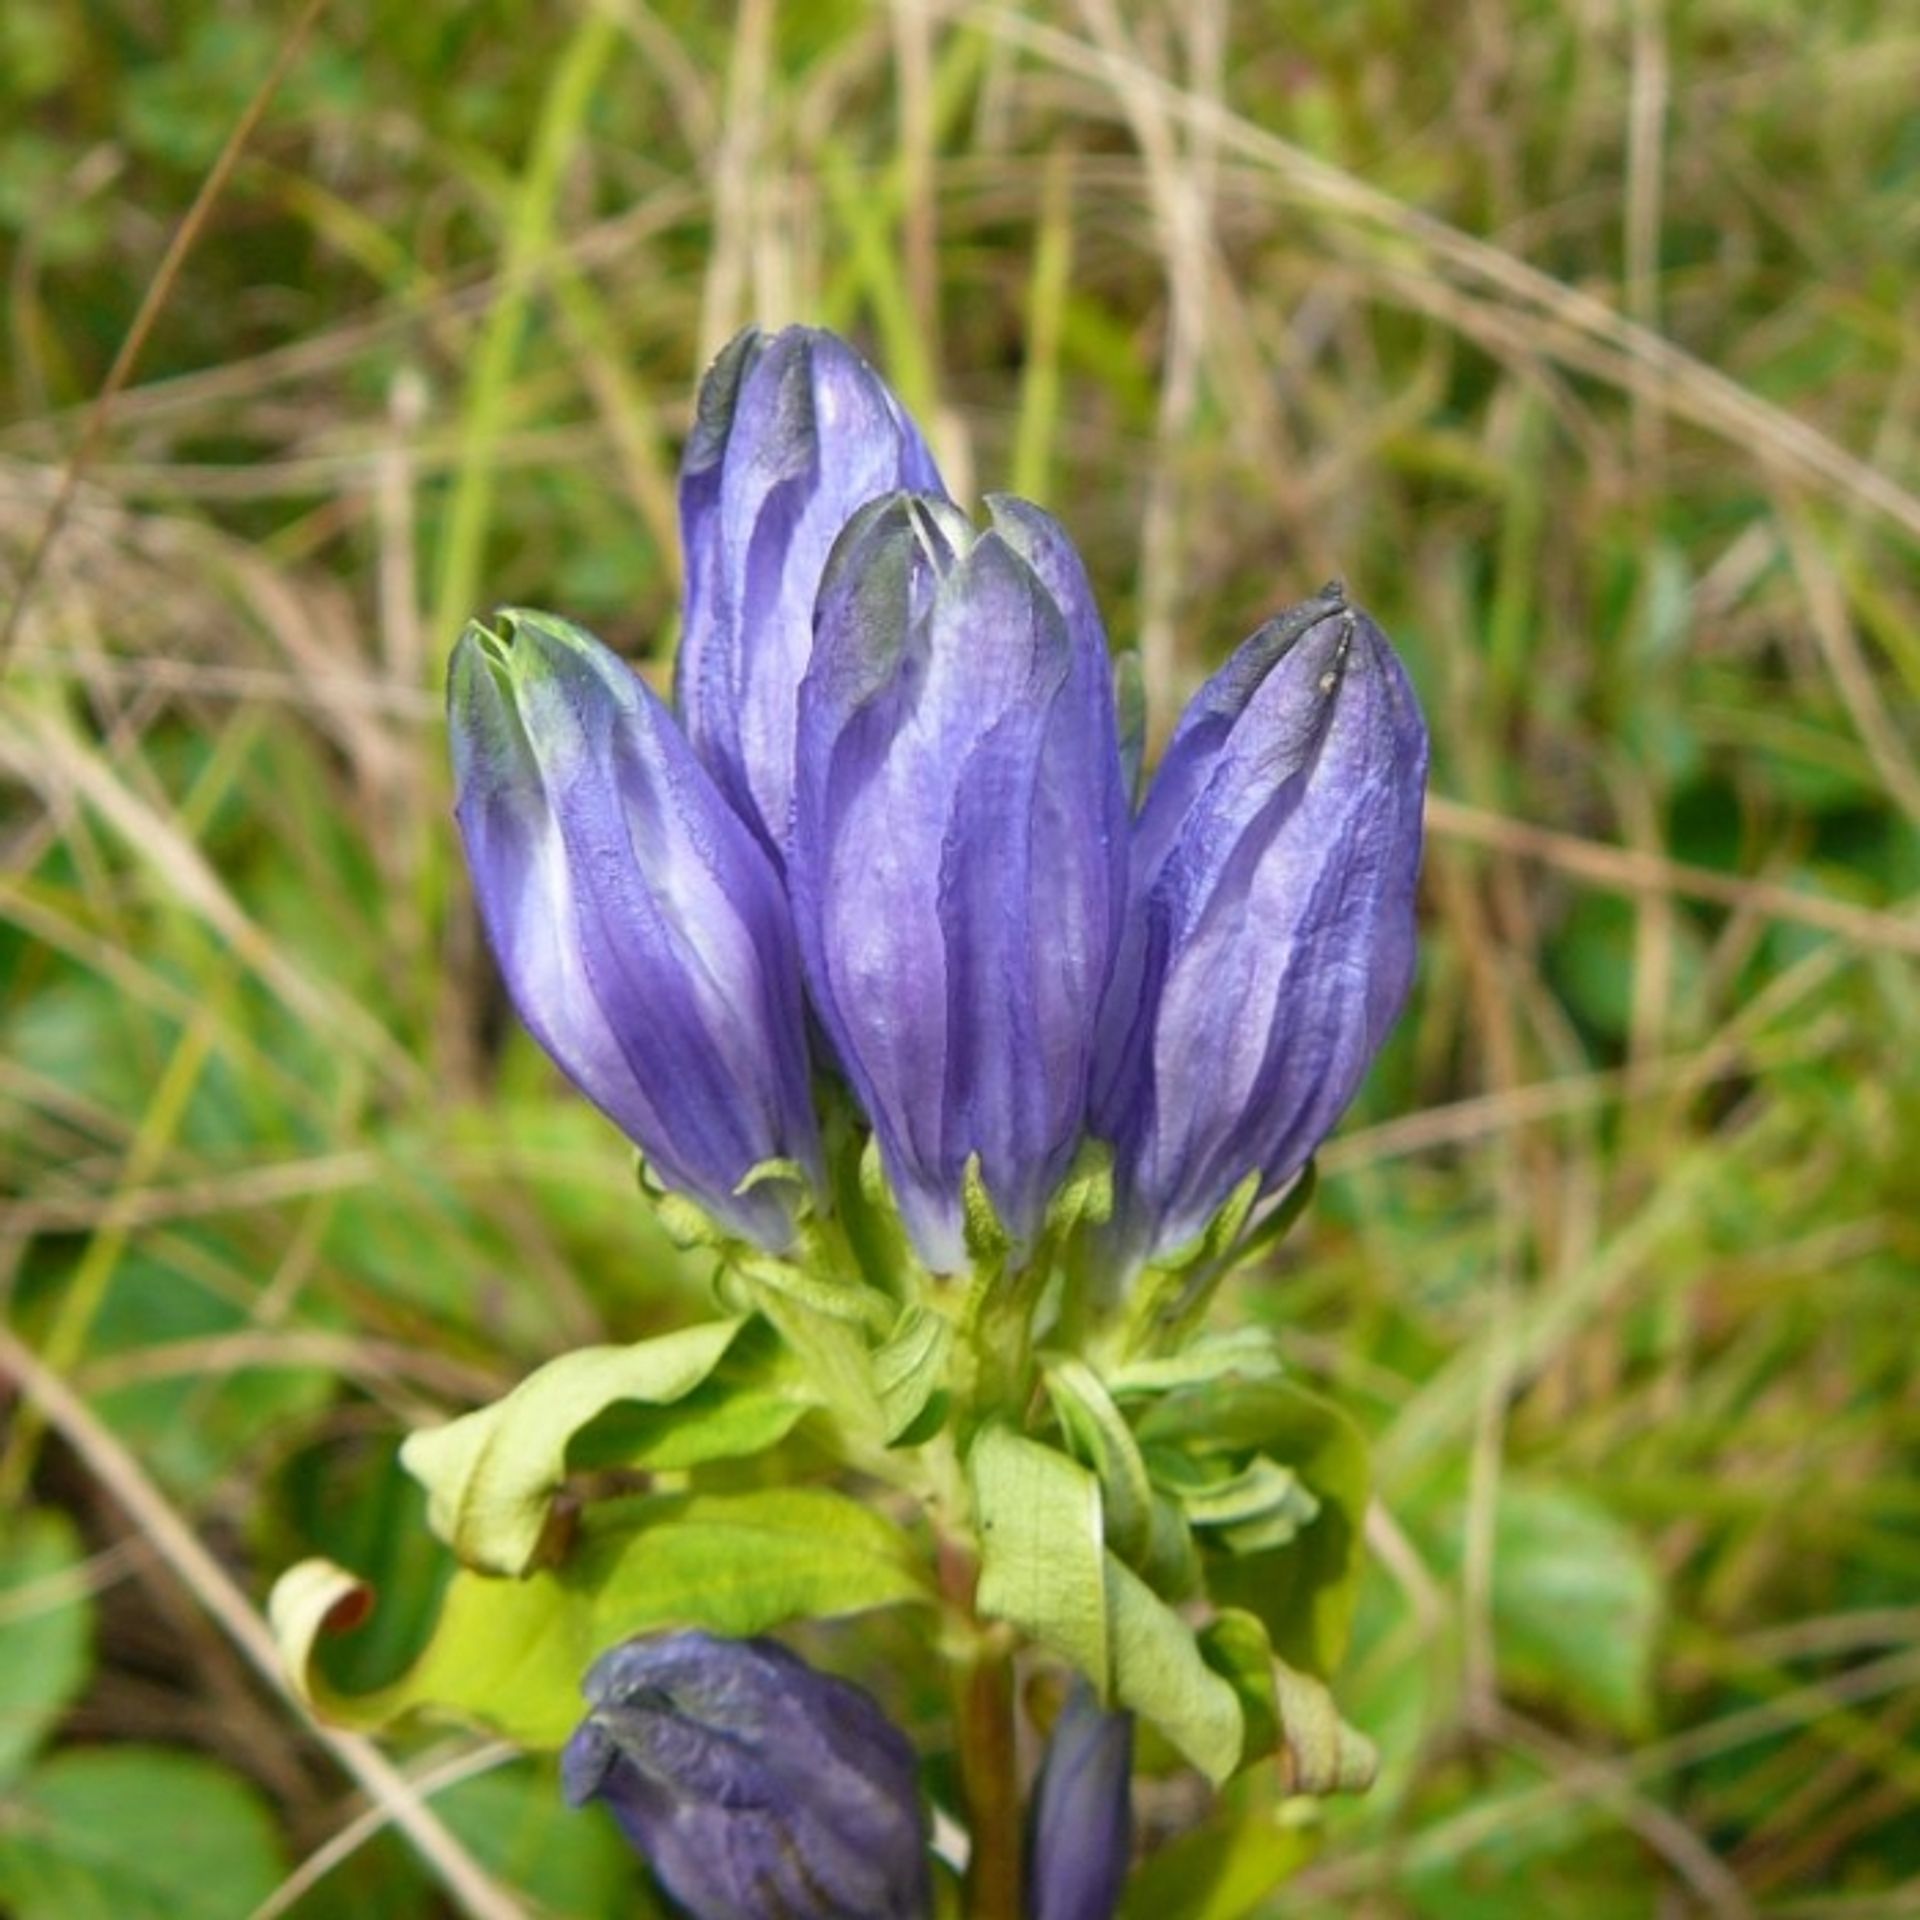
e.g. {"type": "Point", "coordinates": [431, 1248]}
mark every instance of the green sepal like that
{"type": "Point", "coordinates": [875, 1188]}
{"type": "Point", "coordinates": [774, 1172]}
{"type": "Point", "coordinates": [1176, 1289]}
{"type": "Point", "coordinates": [1086, 1194]}
{"type": "Point", "coordinates": [685, 1222]}
{"type": "Point", "coordinates": [491, 1475]}
{"type": "Point", "coordinates": [988, 1242]}
{"type": "Point", "coordinates": [1275, 1225]}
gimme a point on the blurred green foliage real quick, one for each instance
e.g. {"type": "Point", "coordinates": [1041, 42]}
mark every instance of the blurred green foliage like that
{"type": "Point", "coordinates": [1617, 1263]}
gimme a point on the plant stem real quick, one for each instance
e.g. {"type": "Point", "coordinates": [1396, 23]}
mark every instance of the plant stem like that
{"type": "Point", "coordinates": [989, 1764]}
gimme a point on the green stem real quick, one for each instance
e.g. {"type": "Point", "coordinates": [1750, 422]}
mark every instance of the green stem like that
{"type": "Point", "coordinates": [989, 1766]}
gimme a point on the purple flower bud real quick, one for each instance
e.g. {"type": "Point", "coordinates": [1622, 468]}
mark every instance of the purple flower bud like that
{"type": "Point", "coordinates": [794, 432]}
{"type": "Point", "coordinates": [1269, 942]}
{"type": "Point", "coordinates": [752, 1784]}
{"type": "Point", "coordinates": [958, 857]}
{"type": "Point", "coordinates": [640, 927]}
{"type": "Point", "coordinates": [1080, 1822]}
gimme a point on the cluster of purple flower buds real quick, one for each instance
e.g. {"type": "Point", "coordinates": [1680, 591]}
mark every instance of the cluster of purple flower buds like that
{"type": "Point", "coordinates": [757, 1786]}
{"type": "Point", "coordinates": [894, 794]}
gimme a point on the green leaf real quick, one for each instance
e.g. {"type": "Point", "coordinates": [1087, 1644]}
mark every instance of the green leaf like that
{"type": "Point", "coordinates": [510, 1654]}
{"type": "Point", "coordinates": [1038, 1517]}
{"type": "Point", "coordinates": [1227, 1869]}
{"type": "Point", "coordinates": [909, 1374]}
{"type": "Point", "coordinates": [1253, 1510]}
{"type": "Point", "coordinates": [1577, 1605]}
{"type": "Point", "coordinates": [491, 1475]}
{"type": "Point", "coordinates": [1322, 1754]}
{"type": "Point", "coordinates": [1303, 1592]}
{"type": "Point", "coordinates": [46, 1631]}
{"type": "Point", "coordinates": [1245, 1353]}
{"type": "Point", "coordinates": [135, 1833]}
{"type": "Point", "coordinates": [1159, 1672]}
{"type": "Point", "coordinates": [516, 1824]}
{"type": "Point", "coordinates": [1235, 1645]}
{"type": "Point", "coordinates": [751, 1401]}
{"type": "Point", "coordinates": [1098, 1436]}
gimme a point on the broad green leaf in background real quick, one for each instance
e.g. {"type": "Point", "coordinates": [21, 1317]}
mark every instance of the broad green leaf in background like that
{"type": "Point", "coordinates": [510, 1654]}
{"type": "Point", "coordinates": [491, 1475]}
{"type": "Point", "coordinates": [46, 1630]}
{"type": "Point", "coordinates": [1552, 1855]}
{"type": "Point", "coordinates": [516, 1824]}
{"type": "Point", "coordinates": [135, 1833]}
{"type": "Point", "coordinates": [1226, 1869]}
{"type": "Point", "coordinates": [1576, 1604]}
{"type": "Point", "coordinates": [1041, 1548]}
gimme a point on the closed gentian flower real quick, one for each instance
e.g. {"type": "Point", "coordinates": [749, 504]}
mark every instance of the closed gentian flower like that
{"type": "Point", "coordinates": [793, 433]}
{"type": "Point", "coordinates": [1270, 932]}
{"type": "Point", "coordinates": [640, 927]}
{"type": "Point", "coordinates": [957, 865]}
{"type": "Point", "coordinates": [754, 1785]}
{"type": "Point", "coordinates": [1080, 1820]}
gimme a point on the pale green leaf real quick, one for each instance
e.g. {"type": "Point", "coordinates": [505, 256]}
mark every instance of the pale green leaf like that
{"type": "Point", "coordinates": [910, 1369]}
{"type": "Point", "coordinates": [1038, 1516]}
{"type": "Point", "coordinates": [491, 1475]}
{"type": "Point", "coordinates": [1159, 1672]}
{"type": "Point", "coordinates": [1320, 1752]}
{"type": "Point", "coordinates": [1577, 1604]}
{"type": "Point", "coordinates": [1098, 1436]}
{"type": "Point", "coordinates": [1304, 1592]}
{"type": "Point", "coordinates": [510, 1654]}
{"type": "Point", "coordinates": [751, 1401]}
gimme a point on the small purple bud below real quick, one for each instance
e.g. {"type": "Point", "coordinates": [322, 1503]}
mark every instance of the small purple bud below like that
{"type": "Point", "coordinates": [753, 1785]}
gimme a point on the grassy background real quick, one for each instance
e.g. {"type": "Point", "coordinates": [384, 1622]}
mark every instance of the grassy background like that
{"type": "Point", "coordinates": [1583, 340]}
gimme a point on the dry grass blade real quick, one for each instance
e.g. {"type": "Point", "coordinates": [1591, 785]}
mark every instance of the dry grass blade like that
{"type": "Point", "coordinates": [1625, 870]}
{"type": "Point", "coordinates": [159, 289]}
{"type": "Point", "coordinates": [1667, 375]}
